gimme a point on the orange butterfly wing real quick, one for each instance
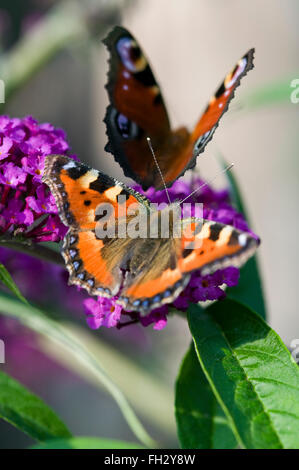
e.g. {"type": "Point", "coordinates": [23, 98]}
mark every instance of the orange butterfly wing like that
{"type": "Point", "coordinates": [79, 192]}
{"type": "Point", "coordinates": [182, 158]}
{"type": "Point", "coordinates": [208, 246]}
{"type": "Point", "coordinates": [205, 245]}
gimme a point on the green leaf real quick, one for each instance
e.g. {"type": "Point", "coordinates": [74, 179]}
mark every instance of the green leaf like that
{"type": "Point", "coordinates": [87, 443]}
{"type": "Point", "coordinates": [251, 372]}
{"type": "Point", "coordinates": [28, 412]}
{"type": "Point", "coordinates": [249, 290]}
{"type": "Point", "coordinates": [38, 321]}
{"type": "Point", "coordinates": [8, 281]}
{"type": "Point", "coordinates": [201, 423]}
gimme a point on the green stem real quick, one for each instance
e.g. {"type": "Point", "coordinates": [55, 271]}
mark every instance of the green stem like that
{"type": "Point", "coordinates": [33, 249]}
{"type": "Point", "coordinates": [36, 320]}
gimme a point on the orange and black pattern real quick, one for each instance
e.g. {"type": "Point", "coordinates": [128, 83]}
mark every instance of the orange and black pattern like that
{"type": "Point", "coordinates": [143, 273]}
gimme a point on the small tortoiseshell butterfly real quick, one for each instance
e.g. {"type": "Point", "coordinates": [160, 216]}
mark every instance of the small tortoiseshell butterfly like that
{"type": "Point", "coordinates": [137, 111]}
{"type": "Point", "coordinates": [144, 273]}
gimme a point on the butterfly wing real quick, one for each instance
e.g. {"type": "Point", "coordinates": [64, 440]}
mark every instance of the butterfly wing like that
{"type": "Point", "coordinates": [137, 111]}
{"type": "Point", "coordinates": [157, 269]}
{"type": "Point", "coordinates": [177, 161]}
{"type": "Point", "coordinates": [204, 245]}
{"type": "Point", "coordinates": [154, 277]}
{"type": "Point", "coordinates": [79, 190]}
{"type": "Point", "coordinates": [136, 108]}
{"type": "Point", "coordinates": [219, 103]}
{"type": "Point", "coordinates": [79, 193]}
{"type": "Point", "coordinates": [208, 246]}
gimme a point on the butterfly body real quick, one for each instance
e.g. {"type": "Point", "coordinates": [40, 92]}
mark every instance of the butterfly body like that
{"type": "Point", "coordinates": [142, 256]}
{"type": "Point", "coordinates": [137, 111]}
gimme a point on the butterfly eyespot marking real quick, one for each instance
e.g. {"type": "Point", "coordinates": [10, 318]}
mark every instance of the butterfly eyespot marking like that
{"type": "Point", "coordinates": [167, 293]}
{"type": "Point", "coordinates": [130, 54]}
{"type": "Point", "coordinates": [69, 217]}
{"type": "Point", "coordinates": [90, 282]}
{"type": "Point", "coordinates": [73, 239]}
{"type": "Point", "coordinates": [66, 205]}
{"type": "Point", "coordinates": [157, 298]}
{"type": "Point", "coordinates": [81, 276]}
{"type": "Point", "coordinates": [76, 265]}
{"type": "Point", "coordinates": [126, 128]}
{"type": "Point", "coordinates": [73, 253]}
{"type": "Point", "coordinates": [145, 303]}
{"type": "Point", "coordinates": [136, 303]}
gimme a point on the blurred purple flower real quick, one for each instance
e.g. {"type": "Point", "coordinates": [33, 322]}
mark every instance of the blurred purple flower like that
{"type": "Point", "coordinates": [102, 312]}
{"type": "Point", "coordinates": [5, 147]}
{"type": "Point", "coordinates": [11, 175]}
{"type": "Point", "coordinates": [37, 281]}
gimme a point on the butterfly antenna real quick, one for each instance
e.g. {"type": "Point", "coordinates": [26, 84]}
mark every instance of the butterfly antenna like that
{"type": "Point", "coordinates": [157, 165]}
{"type": "Point", "coordinates": [229, 167]}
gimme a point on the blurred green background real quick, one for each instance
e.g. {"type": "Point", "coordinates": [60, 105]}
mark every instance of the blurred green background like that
{"type": "Point", "coordinates": [54, 67]}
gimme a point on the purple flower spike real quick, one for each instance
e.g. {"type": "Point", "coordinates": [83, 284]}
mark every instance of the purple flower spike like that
{"type": "Point", "coordinates": [102, 312]}
{"type": "Point", "coordinates": [5, 147]}
{"type": "Point", "coordinates": [24, 199]}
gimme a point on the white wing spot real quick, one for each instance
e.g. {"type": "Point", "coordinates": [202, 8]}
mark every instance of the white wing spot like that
{"type": "Point", "coordinates": [69, 165]}
{"type": "Point", "coordinates": [242, 239]}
